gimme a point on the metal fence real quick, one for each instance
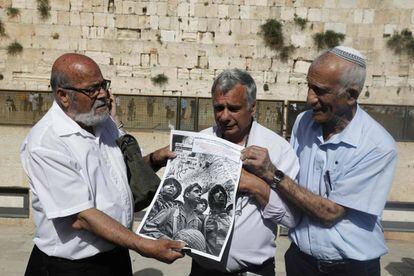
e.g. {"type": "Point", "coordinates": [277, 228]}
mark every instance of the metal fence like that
{"type": "Point", "coordinates": [193, 114]}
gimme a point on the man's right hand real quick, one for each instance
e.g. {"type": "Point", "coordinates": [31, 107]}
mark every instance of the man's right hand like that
{"type": "Point", "coordinates": [166, 251]}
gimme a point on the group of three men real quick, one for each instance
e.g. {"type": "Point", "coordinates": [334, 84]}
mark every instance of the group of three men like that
{"type": "Point", "coordinates": [329, 186]}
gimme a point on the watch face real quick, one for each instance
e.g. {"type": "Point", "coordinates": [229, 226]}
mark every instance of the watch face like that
{"type": "Point", "coordinates": [279, 174]}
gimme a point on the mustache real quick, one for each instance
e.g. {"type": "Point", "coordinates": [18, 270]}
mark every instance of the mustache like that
{"type": "Point", "coordinates": [100, 102]}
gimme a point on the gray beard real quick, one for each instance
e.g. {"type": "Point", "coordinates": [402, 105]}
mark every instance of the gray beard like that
{"type": "Point", "coordinates": [90, 118]}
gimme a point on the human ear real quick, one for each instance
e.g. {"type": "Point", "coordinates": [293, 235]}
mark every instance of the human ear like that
{"type": "Point", "coordinates": [253, 108]}
{"type": "Point", "coordinates": [352, 95]}
{"type": "Point", "coordinates": [63, 97]}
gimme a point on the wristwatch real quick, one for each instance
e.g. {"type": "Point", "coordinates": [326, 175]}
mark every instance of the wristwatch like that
{"type": "Point", "coordinates": [277, 178]}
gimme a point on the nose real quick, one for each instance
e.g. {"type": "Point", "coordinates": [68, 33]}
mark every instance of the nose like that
{"type": "Point", "coordinates": [225, 115]}
{"type": "Point", "coordinates": [312, 99]}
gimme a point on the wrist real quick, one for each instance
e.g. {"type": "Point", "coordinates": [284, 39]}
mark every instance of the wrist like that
{"type": "Point", "coordinates": [151, 159]}
{"type": "Point", "coordinates": [277, 178]}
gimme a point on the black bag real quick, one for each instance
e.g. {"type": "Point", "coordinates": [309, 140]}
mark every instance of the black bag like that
{"type": "Point", "coordinates": [142, 180]}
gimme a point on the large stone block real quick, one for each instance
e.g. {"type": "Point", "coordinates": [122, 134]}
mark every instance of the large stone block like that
{"type": "Point", "coordinates": [287, 13]}
{"type": "Point", "coordinates": [86, 19]}
{"type": "Point", "coordinates": [161, 8]}
{"type": "Point", "coordinates": [301, 67]}
{"type": "Point", "coordinates": [300, 40]}
{"type": "Point", "coordinates": [211, 11]}
{"type": "Point", "coordinates": [200, 10]}
{"type": "Point", "coordinates": [183, 9]}
{"type": "Point", "coordinates": [128, 7]}
{"type": "Point", "coordinates": [205, 38]}
{"type": "Point", "coordinates": [337, 27]}
{"type": "Point", "coordinates": [223, 11]}
{"type": "Point", "coordinates": [99, 19]}
{"type": "Point", "coordinates": [212, 24]}
{"type": "Point", "coordinates": [167, 36]}
{"type": "Point", "coordinates": [314, 14]}
{"type": "Point", "coordinates": [223, 38]}
{"type": "Point", "coordinates": [234, 11]}
{"type": "Point", "coordinates": [59, 5]}
{"type": "Point", "coordinates": [164, 22]}
{"type": "Point", "coordinates": [218, 62]}
{"type": "Point", "coordinates": [224, 26]}
{"type": "Point", "coordinates": [245, 12]}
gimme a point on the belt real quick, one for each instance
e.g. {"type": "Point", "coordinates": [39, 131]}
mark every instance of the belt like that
{"type": "Point", "coordinates": [267, 268]}
{"type": "Point", "coordinates": [262, 269]}
{"type": "Point", "coordinates": [326, 266]}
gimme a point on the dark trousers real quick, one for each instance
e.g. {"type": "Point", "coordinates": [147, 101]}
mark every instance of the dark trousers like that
{"type": "Point", "coordinates": [299, 264]}
{"type": "Point", "coordinates": [266, 269]}
{"type": "Point", "coordinates": [114, 262]}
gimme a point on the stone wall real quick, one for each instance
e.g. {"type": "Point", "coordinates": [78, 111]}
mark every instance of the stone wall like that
{"type": "Point", "coordinates": [191, 41]}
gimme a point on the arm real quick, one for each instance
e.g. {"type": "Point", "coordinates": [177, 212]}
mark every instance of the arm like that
{"type": "Point", "coordinates": [104, 226]}
{"type": "Point", "coordinates": [257, 160]}
{"type": "Point", "coordinates": [272, 203]}
{"type": "Point", "coordinates": [317, 207]}
{"type": "Point", "coordinates": [255, 186]}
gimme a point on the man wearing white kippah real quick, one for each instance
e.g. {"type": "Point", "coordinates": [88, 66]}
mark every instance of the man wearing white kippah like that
{"type": "Point", "coordinates": [347, 163]}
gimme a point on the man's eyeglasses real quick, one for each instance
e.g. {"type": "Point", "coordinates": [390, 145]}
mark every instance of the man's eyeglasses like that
{"type": "Point", "coordinates": [92, 91]}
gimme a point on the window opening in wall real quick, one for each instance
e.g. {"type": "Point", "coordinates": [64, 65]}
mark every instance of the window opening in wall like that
{"type": "Point", "coordinates": [205, 113]}
{"type": "Point", "coordinates": [293, 110]}
{"type": "Point", "coordinates": [23, 108]}
{"type": "Point", "coordinates": [270, 115]}
{"type": "Point", "coordinates": [188, 112]}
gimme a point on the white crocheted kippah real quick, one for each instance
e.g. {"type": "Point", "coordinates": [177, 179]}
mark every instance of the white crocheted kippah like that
{"type": "Point", "coordinates": [349, 54]}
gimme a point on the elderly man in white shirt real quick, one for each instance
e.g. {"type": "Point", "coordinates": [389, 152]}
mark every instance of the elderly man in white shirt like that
{"type": "Point", "coordinates": [82, 204]}
{"type": "Point", "coordinates": [258, 210]}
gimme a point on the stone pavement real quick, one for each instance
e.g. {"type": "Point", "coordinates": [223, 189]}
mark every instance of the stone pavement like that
{"type": "Point", "coordinates": [16, 244]}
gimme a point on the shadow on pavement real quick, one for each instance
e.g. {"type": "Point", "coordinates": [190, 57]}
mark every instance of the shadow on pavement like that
{"type": "Point", "coordinates": [149, 272]}
{"type": "Point", "coordinates": [403, 268]}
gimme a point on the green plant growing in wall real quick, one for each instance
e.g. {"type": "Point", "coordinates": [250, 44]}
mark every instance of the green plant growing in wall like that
{"type": "Point", "coordinates": [12, 12]}
{"type": "Point", "coordinates": [55, 36]}
{"type": "Point", "coordinates": [14, 48]}
{"type": "Point", "coordinates": [159, 80]}
{"type": "Point", "coordinates": [272, 35]}
{"type": "Point", "coordinates": [402, 42]}
{"type": "Point", "coordinates": [44, 8]}
{"type": "Point", "coordinates": [2, 29]}
{"type": "Point", "coordinates": [301, 22]}
{"type": "Point", "coordinates": [285, 52]}
{"type": "Point", "coordinates": [328, 39]}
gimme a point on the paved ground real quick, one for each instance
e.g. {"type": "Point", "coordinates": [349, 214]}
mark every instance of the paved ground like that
{"type": "Point", "coordinates": [16, 244]}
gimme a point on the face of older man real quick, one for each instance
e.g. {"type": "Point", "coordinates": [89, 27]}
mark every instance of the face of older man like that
{"type": "Point", "coordinates": [88, 106]}
{"type": "Point", "coordinates": [232, 113]}
{"type": "Point", "coordinates": [329, 102]}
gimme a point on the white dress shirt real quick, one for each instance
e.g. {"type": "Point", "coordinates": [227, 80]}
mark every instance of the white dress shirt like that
{"type": "Point", "coordinates": [71, 170]}
{"type": "Point", "coordinates": [252, 240]}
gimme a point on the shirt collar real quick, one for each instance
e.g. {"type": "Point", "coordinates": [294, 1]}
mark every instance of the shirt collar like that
{"type": "Point", "coordinates": [351, 133]}
{"type": "Point", "coordinates": [63, 125]}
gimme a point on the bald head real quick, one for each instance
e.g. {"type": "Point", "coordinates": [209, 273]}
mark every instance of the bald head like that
{"type": "Point", "coordinates": [71, 68]}
{"type": "Point", "coordinates": [351, 70]}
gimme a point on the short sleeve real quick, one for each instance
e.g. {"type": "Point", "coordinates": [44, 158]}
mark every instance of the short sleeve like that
{"type": "Point", "coordinates": [58, 182]}
{"type": "Point", "coordinates": [366, 185]}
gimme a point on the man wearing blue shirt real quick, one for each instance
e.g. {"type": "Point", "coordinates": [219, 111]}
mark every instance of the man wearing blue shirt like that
{"type": "Point", "coordinates": [347, 163]}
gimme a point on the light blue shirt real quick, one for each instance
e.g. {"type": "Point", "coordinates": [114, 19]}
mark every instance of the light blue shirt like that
{"type": "Point", "coordinates": [361, 161]}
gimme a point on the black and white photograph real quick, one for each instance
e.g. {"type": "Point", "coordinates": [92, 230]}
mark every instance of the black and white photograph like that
{"type": "Point", "coordinates": [195, 200]}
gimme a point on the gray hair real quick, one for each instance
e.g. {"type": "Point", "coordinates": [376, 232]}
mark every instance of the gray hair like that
{"type": "Point", "coordinates": [229, 78]}
{"type": "Point", "coordinates": [59, 79]}
{"type": "Point", "coordinates": [352, 77]}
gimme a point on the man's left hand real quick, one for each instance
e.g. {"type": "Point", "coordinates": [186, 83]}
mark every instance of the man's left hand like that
{"type": "Point", "coordinates": [256, 160]}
